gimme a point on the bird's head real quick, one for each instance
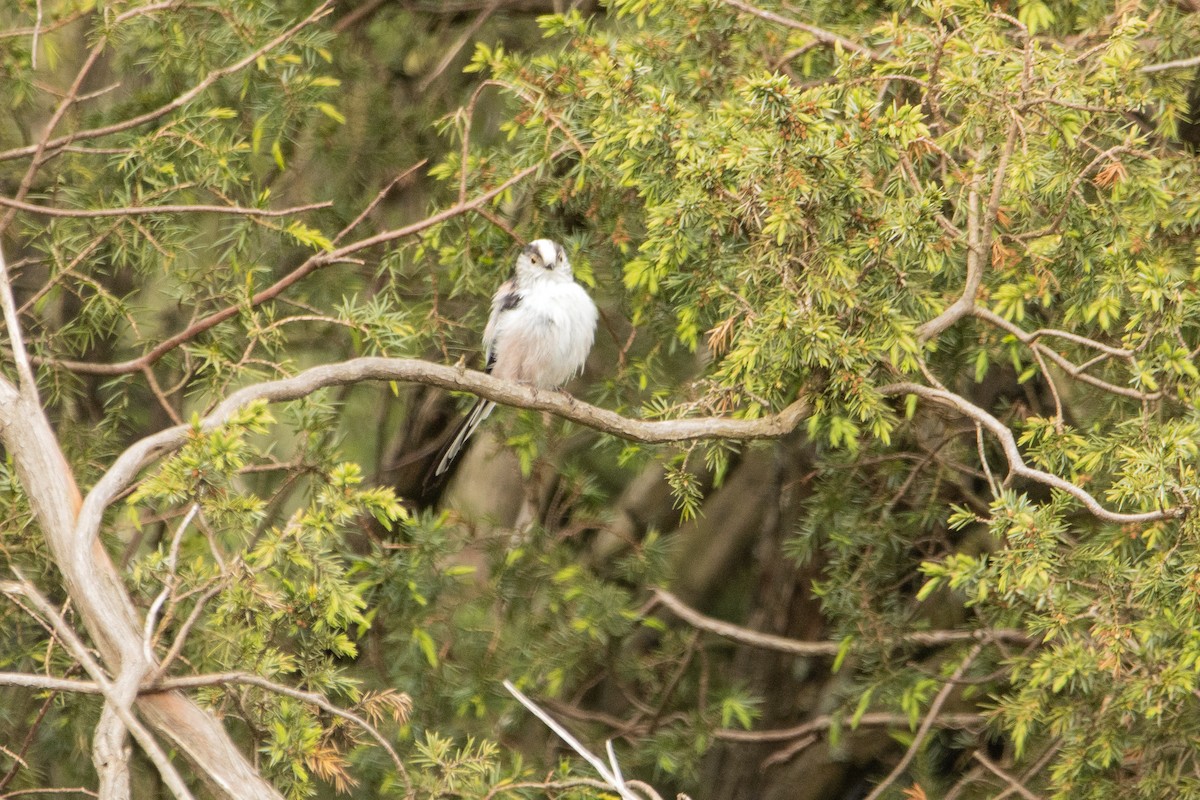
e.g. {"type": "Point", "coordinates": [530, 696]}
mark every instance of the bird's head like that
{"type": "Point", "coordinates": [542, 258]}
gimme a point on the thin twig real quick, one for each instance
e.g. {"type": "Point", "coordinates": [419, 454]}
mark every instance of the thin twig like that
{"type": "Point", "coordinates": [1182, 63]}
{"type": "Point", "coordinates": [139, 211]}
{"type": "Point", "coordinates": [168, 585]}
{"type": "Point", "coordinates": [783, 644]}
{"type": "Point", "coordinates": [312, 698]}
{"type": "Point", "coordinates": [55, 791]}
{"type": "Point", "coordinates": [1016, 462]}
{"type": "Point", "coordinates": [184, 630]}
{"type": "Point", "coordinates": [1076, 371]}
{"type": "Point", "coordinates": [926, 724]}
{"type": "Point", "coordinates": [371, 206]}
{"type": "Point", "coordinates": [37, 29]}
{"type": "Point", "coordinates": [610, 777]}
{"type": "Point", "coordinates": [987, 470]}
{"type": "Point", "coordinates": [995, 769]}
{"type": "Point", "coordinates": [872, 719]}
{"type": "Point", "coordinates": [820, 34]}
{"type": "Point", "coordinates": [454, 49]}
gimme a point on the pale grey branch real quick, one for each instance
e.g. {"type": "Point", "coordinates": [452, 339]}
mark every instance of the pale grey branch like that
{"type": "Point", "coordinates": [1016, 462]}
{"type": "Point", "coordinates": [783, 644]}
{"type": "Point", "coordinates": [118, 695]}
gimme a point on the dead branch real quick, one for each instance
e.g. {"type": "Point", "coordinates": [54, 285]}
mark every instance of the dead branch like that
{"type": "Point", "coordinates": [782, 644]}
{"type": "Point", "coordinates": [926, 724]}
{"type": "Point", "coordinates": [1016, 463]}
{"type": "Point", "coordinates": [820, 34]}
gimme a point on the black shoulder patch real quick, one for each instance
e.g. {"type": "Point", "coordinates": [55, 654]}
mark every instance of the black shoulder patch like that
{"type": "Point", "coordinates": [510, 301]}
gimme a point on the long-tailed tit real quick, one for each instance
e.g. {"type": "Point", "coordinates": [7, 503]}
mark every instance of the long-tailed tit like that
{"type": "Point", "coordinates": [540, 332]}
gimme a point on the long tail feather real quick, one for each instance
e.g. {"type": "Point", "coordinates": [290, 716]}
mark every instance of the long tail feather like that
{"type": "Point", "coordinates": [478, 414]}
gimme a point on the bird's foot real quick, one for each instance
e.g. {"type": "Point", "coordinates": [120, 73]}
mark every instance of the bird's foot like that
{"type": "Point", "coordinates": [570, 398]}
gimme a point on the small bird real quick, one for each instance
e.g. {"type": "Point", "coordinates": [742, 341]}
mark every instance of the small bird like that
{"type": "Point", "coordinates": [540, 332]}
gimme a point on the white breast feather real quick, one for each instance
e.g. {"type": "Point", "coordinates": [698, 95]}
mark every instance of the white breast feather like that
{"type": "Point", "coordinates": [546, 339]}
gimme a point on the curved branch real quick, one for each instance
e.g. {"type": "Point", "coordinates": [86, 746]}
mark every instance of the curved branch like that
{"type": "Point", "coordinates": [1016, 462]}
{"type": "Point", "coordinates": [125, 469]}
{"type": "Point", "coordinates": [1076, 371]}
{"type": "Point", "coordinates": [783, 644]}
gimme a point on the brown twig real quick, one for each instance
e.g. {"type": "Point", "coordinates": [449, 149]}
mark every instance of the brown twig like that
{"type": "Point", "coordinates": [1076, 371]}
{"type": "Point", "coordinates": [310, 265]}
{"type": "Point", "coordinates": [782, 644]}
{"type": "Point", "coordinates": [926, 724]}
{"type": "Point", "coordinates": [995, 769]}
{"type": "Point", "coordinates": [1016, 463]}
{"type": "Point", "coordinates": [138, 211]}
{"type": "Point", "coordinates": [873, 719]}
{"type": "Point", "coordinates": [312, 698]}
{"type": "Point", "coordinates": [820, 34]}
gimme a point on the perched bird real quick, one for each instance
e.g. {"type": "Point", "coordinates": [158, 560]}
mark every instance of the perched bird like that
{"type": "Point", "coordinates": [540, 332]}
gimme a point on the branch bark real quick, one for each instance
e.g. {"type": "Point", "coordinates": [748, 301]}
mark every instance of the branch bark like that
{"type": "Point", "coordinates": [820, 34]}
{"type": "Point", "coordinates": [1016, 463]}
{"type": "Point", "coordinates": [782, 644]}
{"type": "Point", "coordinates": [95, 587]}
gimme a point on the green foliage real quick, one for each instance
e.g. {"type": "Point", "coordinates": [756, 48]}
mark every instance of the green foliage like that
{"type": "Point", "coordinates": [801, 233]}
{"type": "Point", "coordinates": [766, 218]}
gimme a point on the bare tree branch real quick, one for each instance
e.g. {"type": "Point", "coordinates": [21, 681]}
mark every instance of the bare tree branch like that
{"type": "Point", "coordinates": [48, 683]}
{"type": "Point", "coordinates": [126, 467]}
{"type": "Point", "coordinates": [124, 470]}
{"type": "Point", "coordinates": [611, 772]}
{"type": "Point", "coordinates": [1016, 463]}
{"type": "Point", "coordinates": [926, 724]}
{"type": "Point", "coordinates": [119, 695]}
{"type": "Point", "coordinates": [820, 34]}
{"type": "Point", "coordinates": [995, 769]}
{"type": "Point", "coordinates": [1076, 371]}
{"type": "Point", "coordinates": [12, 324]}
{"type": "Point", "coordinates": [1182, 63]}
{"type": "Point", "coordinates": [137, 211]}
{"type": "Point", "coordinates": [783, 644]}
{"type": "Point", "coordinates": [871, 719]}
{"type": "Point", "coordinates": [313, 698]}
